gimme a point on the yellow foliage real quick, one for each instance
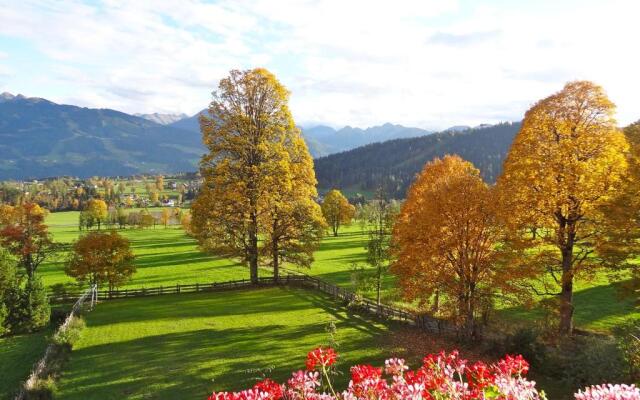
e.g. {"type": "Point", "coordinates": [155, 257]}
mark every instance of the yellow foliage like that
{"type": "Point", "coordinates": [337, 210]}
{"type": "Point", "coordinates": [445, 240]}
{"type": "Point", "coordinates": [566, 164]}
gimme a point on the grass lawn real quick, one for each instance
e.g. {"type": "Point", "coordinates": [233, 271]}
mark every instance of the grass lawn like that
{"type": "Point", "coordinates": [168, 256]}
{"type": "Point", "coordinates": [163, 256]}
{"type": "Point", "coordinates": [17, 356]}
{"type": "Point", "coordinates": [185, 346]}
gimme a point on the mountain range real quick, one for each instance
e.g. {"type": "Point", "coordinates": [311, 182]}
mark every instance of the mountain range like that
{"type": "Point", "coordinates": [39, 139]}
{"type": "Point", "coordinates": [324, 140]}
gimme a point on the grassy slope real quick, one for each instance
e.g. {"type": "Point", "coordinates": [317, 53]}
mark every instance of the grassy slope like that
{"type": "Point", "coordinates": [164, 256]}
{"type": "Point", "coordinates": [167, 257]}
{"type": "Point", "coordinates": [184, 346]}
{"type": "Point", "coordinates": [17, 355]}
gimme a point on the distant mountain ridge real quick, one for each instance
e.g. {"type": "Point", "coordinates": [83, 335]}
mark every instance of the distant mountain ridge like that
{"type": "Point", "coordinates": [324, 140]}
{"type": "Point", "coordinates": [39, 138]}
{"type": "Point", "coordinates": [162, 119]}
{"type": "Point", "coordinates": [393, 164]}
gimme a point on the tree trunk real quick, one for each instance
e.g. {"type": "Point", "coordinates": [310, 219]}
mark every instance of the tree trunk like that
{"type": "Point", "coordinates": [276, 265]}
{"type": "Point", "coordinates": [378, 285]}
{"type": "Point", "coordinates": [567, 231]}
{"type": "Point", "coordinates": [566, 293]}
{"type": "Point", "coordinates": [253, 248]}
{"type": "Point", "coordinates": [436, 302]}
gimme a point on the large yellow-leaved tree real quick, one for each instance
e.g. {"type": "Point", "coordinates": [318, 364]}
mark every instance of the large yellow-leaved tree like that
{"type": "Point", "coordinates": [293, 224]}
{"type": "Point", "coordinates": [252, 187]}
{"type": "Point", "coordinates": [564, 169]}
{"type": "Point", "coordinates": [446, 243]}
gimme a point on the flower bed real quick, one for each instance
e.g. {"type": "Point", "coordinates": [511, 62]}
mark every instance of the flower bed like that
{"type": "Point", "coordinates": [441, 376]}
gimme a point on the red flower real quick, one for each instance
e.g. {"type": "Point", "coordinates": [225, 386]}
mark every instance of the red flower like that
{"type": "Point", "coordinates": [272, 388]}
{"type": "Point", "coordinates": [513, 365]}
{"type": "Point", "coordinates": [322, 357]}
{"type": "Point", "coordinates": [479, 375]}
{"type": "Point", "coordinates": [360, 373]}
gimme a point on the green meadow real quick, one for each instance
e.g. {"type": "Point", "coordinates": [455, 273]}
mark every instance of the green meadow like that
{"type": "Point", "coordinates": [167, 256]}
{"type": "Point", "coordinates": [185, 346]}
{"type": "Point", "coordinates": [174, 345]}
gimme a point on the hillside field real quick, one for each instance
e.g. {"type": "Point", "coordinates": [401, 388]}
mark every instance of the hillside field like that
{"type": "Point", "coordinates": [185, 346]}
{"type": "Point", "coordinates": [168, 256]}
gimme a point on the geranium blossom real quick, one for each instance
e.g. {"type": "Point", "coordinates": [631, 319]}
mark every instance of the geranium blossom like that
{"type": "Point", "coordinates": [609, 392]}
{"type": "Point", "coordinates": [441, 376]}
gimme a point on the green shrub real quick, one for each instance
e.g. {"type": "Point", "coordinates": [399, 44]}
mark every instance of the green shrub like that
{"type": "Point", "coordinates": [36, 305]}
{"type": "Point", "coordinates": [586, 361]}
{"type": "Point", "coordinates": [628, 336]}
{"type": "Point", "coordinates": [71, 334]}
{"type": "Point", "coordinates": [43, 389]}
{"type": "Point", "coordinates": [528, 343]}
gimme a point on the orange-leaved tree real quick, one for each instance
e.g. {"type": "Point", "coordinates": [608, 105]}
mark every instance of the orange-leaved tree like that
{"type": "Point", "coordinates": [25, 235]}
{"type": "Point", "coordinates": [101, 258]}
{"type": "Point", "coordinates": [337, 210]}
{"type": "Point", "coordinates": [564, 168]}
{"type": "Point", "coordinates": [446, 243]}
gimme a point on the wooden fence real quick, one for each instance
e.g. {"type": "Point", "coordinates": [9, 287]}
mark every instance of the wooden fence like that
{"type": "Point", "coordinates": [356, 302]}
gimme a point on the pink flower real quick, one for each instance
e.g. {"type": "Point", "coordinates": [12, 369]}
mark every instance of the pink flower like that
{"type": "Point", "coordinates": [609, 392]}
{"type": "Point", "coordinates": [395, 366]}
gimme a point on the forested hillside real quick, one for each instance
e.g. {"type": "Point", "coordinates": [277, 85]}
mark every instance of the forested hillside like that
{"type": "Point", "coordinates": [39, 138]}
{"type": "Point", "coordinates": [394, 163]}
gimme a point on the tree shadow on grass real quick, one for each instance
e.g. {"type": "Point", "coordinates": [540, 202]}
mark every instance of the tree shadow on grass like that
{"type": "Point", "coordinates": [198, 305]}
{"type": "Point", "coordinates": [192, 364]}
{"type": "Point", "coordinates": [597, 307]}
{"type": "Point", "coordinates": [174, 258]}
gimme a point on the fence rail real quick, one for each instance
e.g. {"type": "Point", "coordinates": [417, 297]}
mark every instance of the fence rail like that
{"type": "Point", "coordinates": [292, 278]}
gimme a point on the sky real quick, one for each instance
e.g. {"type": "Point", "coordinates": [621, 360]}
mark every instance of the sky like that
{"type": "Point", "coordinates": [424, 63]}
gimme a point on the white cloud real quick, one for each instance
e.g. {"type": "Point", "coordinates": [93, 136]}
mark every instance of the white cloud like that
{"type": "Point", "coordinates": [430, 63]}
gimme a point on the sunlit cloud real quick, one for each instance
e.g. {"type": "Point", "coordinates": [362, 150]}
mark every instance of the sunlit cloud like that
{"type": "Point", "coordinates": [432, 63]}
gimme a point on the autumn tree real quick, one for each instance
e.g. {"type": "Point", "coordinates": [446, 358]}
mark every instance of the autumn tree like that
{"type": "Point", "coordinates": [160, 183]}
{"type": "Point", "coordinates": [154, 197]}
{"type": "Point", "coordinates": [249, 134]}
{"type": "Point", "coordinates": [100, 258]}
{"type": "Point", "coordinates": [337, 210]}
{"type": "Point", "coordinates": [25, 235]}
{"type": "Point", "coordinates": [97, 210]}
{"type": "Point", "coordinates": [564, 168]}
{"type": "Point", "coordinates": [622, 225]}
{"type": "Point", "coordinates": [292, 223]}
{"type": "Point", "coordinates": [165, 216]}
{"type": "Point", "coordinates": [446, 240]}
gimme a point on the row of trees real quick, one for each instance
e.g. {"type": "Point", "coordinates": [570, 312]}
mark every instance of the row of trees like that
{"type": "Point", "coordinates": [566, 206]}
{"type": "Point", "coordinates": [64, 194]}
{"type": "Point", "coordinates": [97, 213]}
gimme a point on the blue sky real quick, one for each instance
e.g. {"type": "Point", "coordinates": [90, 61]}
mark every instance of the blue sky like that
{"type": "Point", "coordinates": [425, 63]}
